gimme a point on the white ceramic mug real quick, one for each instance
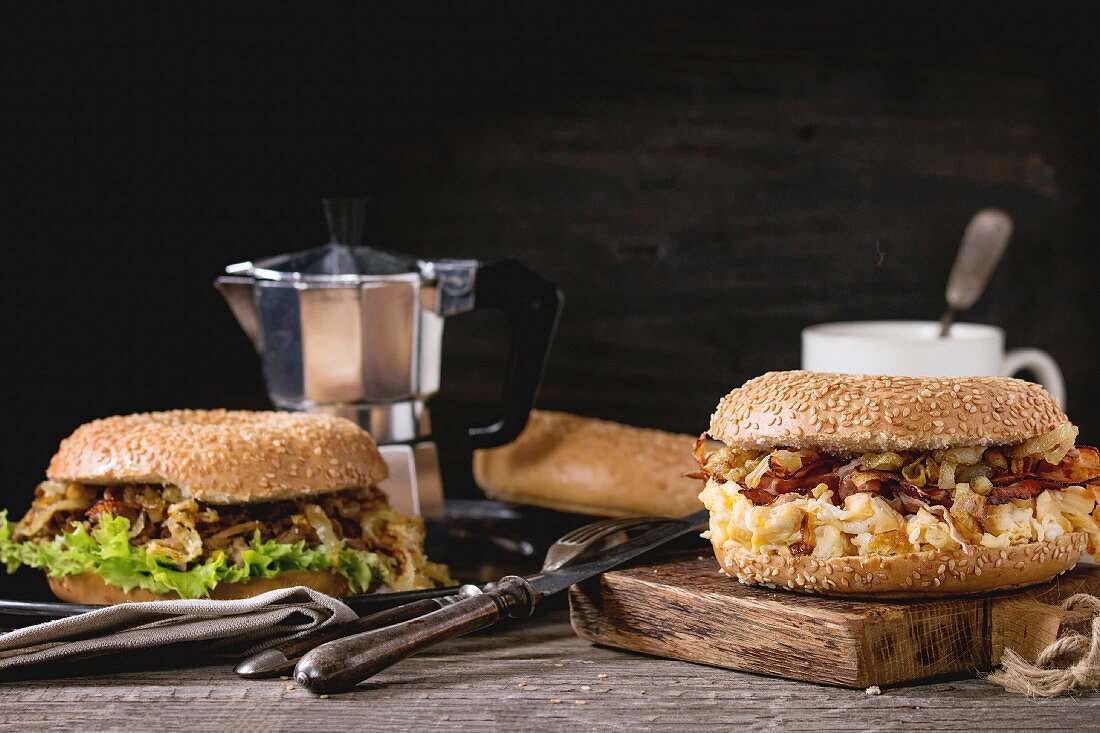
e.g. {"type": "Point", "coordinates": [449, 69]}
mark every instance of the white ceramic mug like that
{"type": "Point", "coordinates": [914, 348]}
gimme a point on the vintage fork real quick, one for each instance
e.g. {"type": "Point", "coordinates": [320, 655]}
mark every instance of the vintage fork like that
{"type": "Point", "coordinates": [280, 660]}
{"type": "Point", "coordinates": [573, 544]}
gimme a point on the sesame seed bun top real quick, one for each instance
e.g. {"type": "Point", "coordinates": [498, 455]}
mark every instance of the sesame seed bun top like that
{"type": "Point", "coordinates": [222, 457]}
{"type": "Point", "coordinates": [850, 414]}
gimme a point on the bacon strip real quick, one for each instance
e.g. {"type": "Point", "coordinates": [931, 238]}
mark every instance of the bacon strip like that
{"type": "Point", "coordinates": [887, 484]}
{"type": "Point", "coordinates": [872, 486]}
{"type": "Point", "coordinates": [931, 495]}
{"type": "Point", "coordinates": [1028, 486]}
{"type": "Point", "coordinates": [699, 450]}
{"type": "Point", "coordinates": [777, 470]}
{"type": "Point", "coordinates": [1081, 466]}
{"type": "Point", "coordinates": [757, 496]}
{"type": "Point", "coordinates": [801, 481]}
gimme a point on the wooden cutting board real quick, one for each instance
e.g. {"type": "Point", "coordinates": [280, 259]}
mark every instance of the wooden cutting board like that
{"type": "Point", "coordinates": [682, 608]}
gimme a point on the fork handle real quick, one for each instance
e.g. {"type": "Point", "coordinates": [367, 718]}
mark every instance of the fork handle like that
{"type": "Point", "coordinates": [340, 665]}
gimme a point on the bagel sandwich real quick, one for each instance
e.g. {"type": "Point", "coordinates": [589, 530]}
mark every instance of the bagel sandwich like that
{"type": "Point", "coordinates": [219, 504]}
{"type": "Point", "coordinates": [897, 486]}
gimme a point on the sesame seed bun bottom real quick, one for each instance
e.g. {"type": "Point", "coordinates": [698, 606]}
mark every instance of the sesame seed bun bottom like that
{"type": "Point", "coordinates": [90, 588]}
{"type": "Point", "coordinates": [913, 575]}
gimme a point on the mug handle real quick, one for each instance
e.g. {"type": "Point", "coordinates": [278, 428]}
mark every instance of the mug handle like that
{"type": "Point", "coordinates": [1042, 365]}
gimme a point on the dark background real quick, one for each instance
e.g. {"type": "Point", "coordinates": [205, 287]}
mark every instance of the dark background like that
{"type": "Point", "coordinates": [703, 181]}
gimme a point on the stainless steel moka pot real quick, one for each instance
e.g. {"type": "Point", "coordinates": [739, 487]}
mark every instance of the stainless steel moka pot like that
{"type": "Point", "coordinates": [353, 331]}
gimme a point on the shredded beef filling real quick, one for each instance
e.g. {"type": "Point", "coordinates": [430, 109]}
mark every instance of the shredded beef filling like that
{"type": "Point", "coordinates": [185, 530]}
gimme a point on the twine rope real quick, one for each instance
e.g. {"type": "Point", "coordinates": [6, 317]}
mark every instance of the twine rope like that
{"type": "Point", "coordinates": [1070, 664]}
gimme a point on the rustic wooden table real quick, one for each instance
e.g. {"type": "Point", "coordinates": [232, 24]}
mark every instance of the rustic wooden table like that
{"type": "Point", "coordinates": [536, 676]}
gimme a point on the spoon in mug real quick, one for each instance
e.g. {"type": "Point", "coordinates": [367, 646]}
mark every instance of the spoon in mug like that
{"type": "Point", "coordinates": [982, 247]}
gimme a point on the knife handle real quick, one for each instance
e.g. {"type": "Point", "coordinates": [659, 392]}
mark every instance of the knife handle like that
{"type": "Point", "coordinates": [340, 665]}
{"type": "Point", "coordinates": [280, 660]}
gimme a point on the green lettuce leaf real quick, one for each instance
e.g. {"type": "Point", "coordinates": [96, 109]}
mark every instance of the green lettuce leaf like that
{"type": "Point", "coordinates": [108, 553]}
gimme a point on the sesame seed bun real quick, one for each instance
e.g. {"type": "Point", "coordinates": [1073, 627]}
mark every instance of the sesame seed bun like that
{"type": "Point", "coordinates": [912, 575]}
{"type": "Point", "coordinates": [852, 414]}
{"type": "Point", "coordinates": [90, 588]}
{"type": "Point", "coordinates": [222, 457]}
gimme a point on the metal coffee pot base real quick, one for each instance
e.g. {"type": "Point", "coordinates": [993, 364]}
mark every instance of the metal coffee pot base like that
{"type": "Point", "coordinates": [414, 486]}
{"type": "Point", "coordinates": [415, 489]}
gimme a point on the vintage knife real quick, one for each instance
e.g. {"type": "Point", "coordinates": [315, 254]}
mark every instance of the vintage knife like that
{"type": "Point", "coordinates": [341, 664]}
{"type": "Point", "coordinates": [280, 660]}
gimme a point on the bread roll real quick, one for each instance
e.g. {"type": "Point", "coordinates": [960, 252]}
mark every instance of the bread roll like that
{"type": "Point", "coordinates": [589, 466]}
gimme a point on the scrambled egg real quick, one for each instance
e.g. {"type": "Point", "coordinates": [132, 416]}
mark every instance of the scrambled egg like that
{"type": "Point", "coordinates": [866, 524]}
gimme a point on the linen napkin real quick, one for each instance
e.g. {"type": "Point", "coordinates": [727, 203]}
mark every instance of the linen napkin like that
{"type": "Point", "coordinates": [223, 629]}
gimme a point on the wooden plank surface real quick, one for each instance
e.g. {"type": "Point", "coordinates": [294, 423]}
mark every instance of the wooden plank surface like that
{"type": "Point", "coordinates": [680, 607]}
{"type": "Point", "coordinates": [475, 684]}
